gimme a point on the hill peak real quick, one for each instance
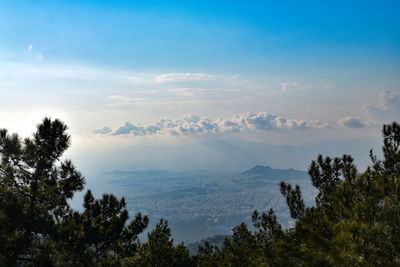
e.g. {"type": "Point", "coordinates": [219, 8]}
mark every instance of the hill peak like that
{"type": "Point", "coordinates": [258, 169]}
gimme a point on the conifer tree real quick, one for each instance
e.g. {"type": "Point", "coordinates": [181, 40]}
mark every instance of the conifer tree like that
{"type": "Point", "coordinates": [355, 220]}
{"type": "Point", "coordinates": [37, 226]}
{"type": "Point", "coordinates": [159, 250]}
{"type": "Point", "coordinates": [35, 185]}
{"type": "Point", "coordinates": [98, 235]}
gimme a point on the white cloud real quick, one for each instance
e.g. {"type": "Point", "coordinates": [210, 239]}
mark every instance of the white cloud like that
{"type": "Point", "coordinates": [30, 47]}
{"type": "Point", "coordinates": [266, 121]}
{"type": "Point", "coordinates": [196, 92]}
{"type": "Point", "coordinates": [350, 122]}
{"type": "Point", "coordinates": [136, 129]}
{"type": "Point", "coordinates": [192, 124]}
{"type": "Point", "coordinates": [288, 87]}
{"type": "Point", "coordinates": [387, 100]}
{"type": "Point", "coordinates": [104, 130]}
{"type": "Point", "coordinates": [183, 77]}
{"type": "Point", "coordinates": [118, 100]}
{"type": "Point", "coordinates": [387, 106]}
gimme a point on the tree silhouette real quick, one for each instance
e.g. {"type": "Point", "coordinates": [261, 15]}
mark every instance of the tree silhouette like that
{"type": "Point", "coordinates": [159, 250]}
{"type": "Point", "coordinates": [37, 226]}
{"type": "Point", "coordinates": [35, 185]}
{"type": "Point", "coordinates": [355, 220]}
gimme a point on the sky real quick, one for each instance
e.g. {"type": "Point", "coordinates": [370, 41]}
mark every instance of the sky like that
{"type": "Point", "coordinates": [126, 75]}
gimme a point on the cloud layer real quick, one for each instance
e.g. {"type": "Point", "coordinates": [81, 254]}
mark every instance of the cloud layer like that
{"type": "Point", "coordinates": [288, 87]}
{"type": "Point", "coordinates": [350, 122]}
{"type": "Point", "coordinates": [387, 106]}
{"type": "Point", "coordinates": [192, 124]}
{"type": "Point", "coordinates": [182, 77]}
{"type": "Point", "coordinates": [104, 130]}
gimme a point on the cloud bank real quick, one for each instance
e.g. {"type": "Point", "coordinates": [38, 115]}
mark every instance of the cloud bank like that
{"type": "Point", "coordinates": [387, 106]}
{"type": "Point", "coordinates": [288, 87]}
{"type": "Point", "coordinates": [104, 130]}
{"type": "Point", "coordinates": [183, 77]}
{"type": "Point", "coordinates": [192, 124]}
{"type": "Point", "coordinates": [117, 100]}
{"type": "Point", "coordinates": [350, 122]}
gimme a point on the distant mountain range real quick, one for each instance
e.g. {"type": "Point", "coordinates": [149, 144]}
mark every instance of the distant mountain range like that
{"type": "Point", "coordinates": [223, 156]}
{"type": "Point", "coordinates": [268, 172]}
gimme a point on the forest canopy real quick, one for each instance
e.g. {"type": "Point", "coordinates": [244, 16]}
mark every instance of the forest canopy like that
{"type": "Point", "coordinates": [355, 220]}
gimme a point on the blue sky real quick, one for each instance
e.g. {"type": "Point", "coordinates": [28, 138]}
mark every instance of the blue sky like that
{"type": "Point", "coordinates": [124, 73]}
{"type": "Point", "coordinates": [224, 36]}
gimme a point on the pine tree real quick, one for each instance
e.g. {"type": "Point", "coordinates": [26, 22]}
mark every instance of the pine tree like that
{"type": "Point", "coordinates": [35, 185]}
{"type": "Point", "coordinates": [37, 226]}
{"type": "Point", "coordinates": [159, 250]}
{"type": "Point", "coordinates": [355, 220]}
{"type": "Point", "coordinates": [98, 235]}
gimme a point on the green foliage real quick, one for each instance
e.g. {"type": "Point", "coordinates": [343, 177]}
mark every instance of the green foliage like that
{"type": "Point", "coordinates": [37, 226]}
{"type": "Point", "coordinates": [355, 220]}
{"type": "Point", "coordinates": [294, 200]}
{"type": "Point", "coordinates": [159, 250]}
{"type": "Point", "coordinates": [98, 235]}
{"type": "Point", "coordinates": [35, 185]}
{"type": "Point", "coordinates": [246, 248]}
